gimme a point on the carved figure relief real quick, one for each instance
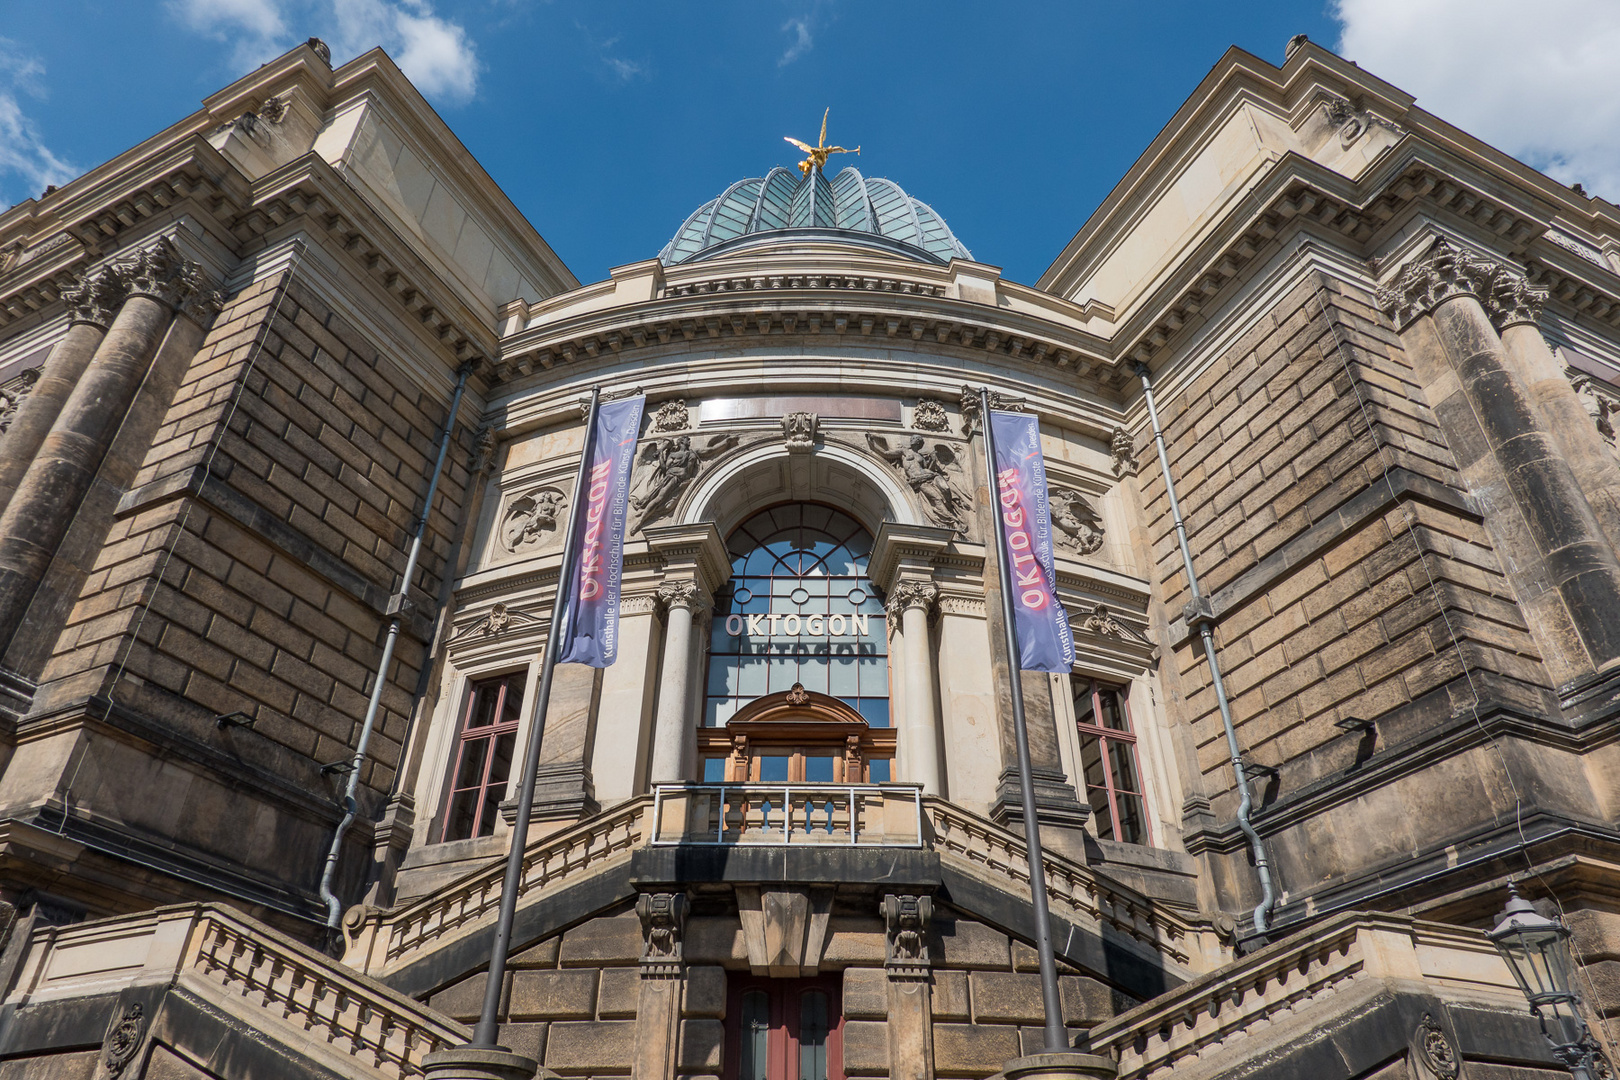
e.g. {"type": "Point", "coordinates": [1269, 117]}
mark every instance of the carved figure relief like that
{"type": "Point", "coordinates": [531, 520]}
{"type": "Point", "coordinates": [12, 397]}
{"type": "Point", "coordinates": [671, 416]}
{"type": "Point", "coordinates": [931, 473]}
{"type": "Point", "coordinates": [929, 416]}
{"type": "Point", "coordinates": [799, 431]}
{"type": "Point", "coordinates": [1600, 406]}
{"type": "Point", "coordinates": [1124, 451]}
{"type": "Point", "coordinates": [970, 406]}
{"type": "Point", "coordinates": [1077, 522]}
{"type": "Point", "coordinates": [668, 467]}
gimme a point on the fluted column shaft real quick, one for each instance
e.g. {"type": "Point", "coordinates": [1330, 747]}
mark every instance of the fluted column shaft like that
{"type": "Point", "coordinates": [39, 512]}
{"type": "Point", "coordinates": [920, 732]}
{"type": "Point", "coordinates": [684, 600]}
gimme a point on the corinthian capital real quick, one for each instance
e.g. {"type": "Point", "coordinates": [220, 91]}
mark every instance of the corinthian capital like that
{"type": "Point", "coordinates": [95, 298]}
{"type": "Point", "coordinates": [909, 594]}
{"type": "Point", "coordinates": [684, 594]}
{"type": "Point", "coordinates": [165, 275]}
{"type": "Point", "coordinates": [1440, 274]}
{"type": "Point", "coordinates": [1446, 271]}
{"type": "Point", "coordinates": [1513, 300]}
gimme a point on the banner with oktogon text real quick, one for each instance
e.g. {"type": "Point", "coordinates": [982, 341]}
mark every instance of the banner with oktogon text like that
{"type": "Point", "coordinates": [1024, 529]}
{"type": "Point", "coordinates": [590, 618]}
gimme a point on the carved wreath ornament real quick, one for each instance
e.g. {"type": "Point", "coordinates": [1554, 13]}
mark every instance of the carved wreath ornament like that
{"type": "Point", "coordinates": [1438, 1055]}
{"type": "Point", "coordinates": [123, 1040]}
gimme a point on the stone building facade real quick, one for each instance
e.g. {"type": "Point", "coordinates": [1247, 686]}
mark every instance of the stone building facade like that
{"type": "Point", "coordinates": [783, 831]}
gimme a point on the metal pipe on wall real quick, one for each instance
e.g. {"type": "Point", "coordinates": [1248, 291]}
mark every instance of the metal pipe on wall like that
{"type": "Point", "coordinates": [1200, 612]}
{"type": "Point", "coordinates": [400, 605]}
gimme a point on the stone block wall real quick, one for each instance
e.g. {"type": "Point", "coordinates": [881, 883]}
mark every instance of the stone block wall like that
{"type": "Point", "coordinates": [1350, 570]}
{"type": "Point", "coordinates": [267, 578]}
{"type": "Point", "coordinates": [570, 1001]}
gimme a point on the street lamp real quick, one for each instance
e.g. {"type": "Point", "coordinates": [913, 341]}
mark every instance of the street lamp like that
{"type": "Point", "coordinates": [1536, 949]}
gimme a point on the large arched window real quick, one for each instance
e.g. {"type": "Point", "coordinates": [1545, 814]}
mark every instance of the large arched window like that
{"type": "Point", "coordinates": [798, 609]}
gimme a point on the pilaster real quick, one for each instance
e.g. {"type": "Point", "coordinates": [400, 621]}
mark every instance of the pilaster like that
{"type": "Point", "coordinates": [907, 923]}
{"type": "Point", "coordinates": [663, 970]}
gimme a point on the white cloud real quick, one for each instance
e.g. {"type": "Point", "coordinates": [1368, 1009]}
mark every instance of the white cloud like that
{"type": "Point", "coordinates": [434, 53]}
{"type": "Point", "coordinates": [24, 157]}
{"type": "Point", "coordinates": [1536, 83]}
{"type": "Point", "coordinates": [802, 40]}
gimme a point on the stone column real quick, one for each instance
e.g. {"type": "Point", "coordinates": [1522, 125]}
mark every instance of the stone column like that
{"type": "Point", "coordinates": [39, 512]}
{"type": "Point", "coordinates": [1515, 307]}
{"type": "Point", "coordinates": [695, 565]}
{"type": "Point", "coordinates": [907, 923]}
{"type": "Point", "coordinates": [91, 305]}
{"type": "Point", "coordinates": [682, 601]}
{"type": "Point", "coordinates": [1453, 288]}
{"type": "Point", "coordinates": [658, 999]}
{"type": "Point", "coordinates": [910, 604]}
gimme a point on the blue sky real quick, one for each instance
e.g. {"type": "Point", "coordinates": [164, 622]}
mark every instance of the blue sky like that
{"type": "Point", "coordinates": [607, 123]}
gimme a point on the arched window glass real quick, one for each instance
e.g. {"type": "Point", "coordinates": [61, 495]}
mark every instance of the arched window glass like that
{"type": "Point", "coordinates": [798, 609]}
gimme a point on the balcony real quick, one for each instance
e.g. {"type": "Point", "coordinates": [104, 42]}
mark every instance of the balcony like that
{"type": "Point", "coordinates": [794, 815]}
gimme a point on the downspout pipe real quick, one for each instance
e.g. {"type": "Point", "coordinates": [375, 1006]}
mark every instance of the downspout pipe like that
{"type": "Point", "coordinates": [398, 606]}
{"type": "Point", "coordinates": [1200, 613]}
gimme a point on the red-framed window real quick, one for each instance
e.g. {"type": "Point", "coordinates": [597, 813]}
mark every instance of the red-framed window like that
{"type": "Point", "coordinates": [1108, 763]}
{"type": "Point", "coordinates": [482, 761]}
{"type": "Point", "coordinates": [784, 1029]}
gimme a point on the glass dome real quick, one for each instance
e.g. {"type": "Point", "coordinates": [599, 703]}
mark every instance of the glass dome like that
{"type": "Point", "coordinates": [785, 205]}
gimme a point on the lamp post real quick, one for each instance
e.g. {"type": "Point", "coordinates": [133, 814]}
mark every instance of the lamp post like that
{"type": "Point", "coordinates": [1536, 949]}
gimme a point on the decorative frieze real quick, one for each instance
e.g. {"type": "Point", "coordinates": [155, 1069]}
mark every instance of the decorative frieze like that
{"type": "Point", "coordinates": [906, 922]}
{"type": "Point", "coordinates": [799, 431]}
{"type": "Point", "coordinates": [759, 282]}
{"type": "Point", "coordinates": [1445, 272]}
{"type": "Point", "coordinates": [931, 473]}
{"type": "Point", "coordinates": [1078, 525]}
{"type": "Point", "coordinates": [663, 929]}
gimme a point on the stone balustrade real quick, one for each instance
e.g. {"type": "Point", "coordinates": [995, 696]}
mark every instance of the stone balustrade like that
{"type": "Point", "coordinates": [351, 1024]}
{"type": "Point", "coordinates": [849, 815]}
{"type": "Point", "coordinates": [1073, 891]}
{"type": "Point", "coordinates": [382, 940]}
{"type": "Point", "coordinates": [1185, 1031]}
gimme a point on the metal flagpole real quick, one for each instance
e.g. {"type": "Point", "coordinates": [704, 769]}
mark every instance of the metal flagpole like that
{"type": "Point", "coordinates": [487, 1032]}
{"type": "Point", "coordinates": [1057, 1039]}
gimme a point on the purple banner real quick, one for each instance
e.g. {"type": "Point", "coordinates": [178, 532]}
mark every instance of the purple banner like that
{"type": "Point", "coordinates": [590, 618]}
{"type": "Point", "coordinates": [1024, 527]}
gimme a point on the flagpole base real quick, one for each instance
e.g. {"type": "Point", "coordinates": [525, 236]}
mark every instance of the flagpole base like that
{"type": "Point", "coordinates": [1060, 1066]}
{"type": "Point", "coordinates": [481, 1063]}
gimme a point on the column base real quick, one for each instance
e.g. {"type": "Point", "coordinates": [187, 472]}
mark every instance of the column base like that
{"type": "Point", "coordinates": [1060, 1066]}
{"type": "Point", "coordinates": [481, 1063]}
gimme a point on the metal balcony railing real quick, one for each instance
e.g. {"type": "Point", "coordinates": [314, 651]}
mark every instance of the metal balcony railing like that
{"type": "Point", "coordinates": [848, 815]}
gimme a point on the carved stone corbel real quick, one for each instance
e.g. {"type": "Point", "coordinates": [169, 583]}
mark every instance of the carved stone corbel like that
{"type": "Point", "coordinates": [1123, 449]}
{"type": "Point", "coordinates": [799, 431]}
{"type": "Point", "coordinates": [907, 919]}
{"type": "Point", "coordinates": [663, 930]}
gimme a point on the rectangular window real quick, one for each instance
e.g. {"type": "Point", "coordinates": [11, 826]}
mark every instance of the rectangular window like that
{"type": "Point", "coordinates": [482, 761]}
{"type": "Point", "coordinates": [1108, 763]}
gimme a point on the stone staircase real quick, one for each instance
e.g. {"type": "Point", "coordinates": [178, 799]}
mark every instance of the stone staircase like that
{"type": "Point", "coordinates": [194, 964]}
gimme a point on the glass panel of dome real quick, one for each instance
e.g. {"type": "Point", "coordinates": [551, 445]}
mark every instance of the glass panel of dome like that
{"type": "Point", "coordinates": [733, 212]}
{"type": "Point", "coordinates": [775, 203]}
{"type": "Point", "coordinates": [850, 202]}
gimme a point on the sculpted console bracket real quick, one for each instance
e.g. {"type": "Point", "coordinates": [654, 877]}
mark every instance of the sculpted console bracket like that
{"type": "Point", "coordinates": [663, 929]}
{"type": "Point", "coordinates": [907, 920]}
